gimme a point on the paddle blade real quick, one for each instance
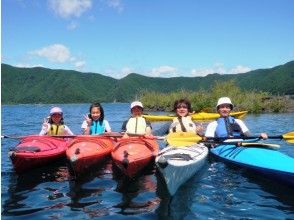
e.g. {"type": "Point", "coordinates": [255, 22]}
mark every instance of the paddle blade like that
{"type": "Point", "coordinates": [289, 137]}
{"type": "Point", "coordinates": [178, 139]}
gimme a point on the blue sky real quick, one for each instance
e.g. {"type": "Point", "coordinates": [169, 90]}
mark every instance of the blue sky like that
{"type": "Point", "coordinates": [160, 38]}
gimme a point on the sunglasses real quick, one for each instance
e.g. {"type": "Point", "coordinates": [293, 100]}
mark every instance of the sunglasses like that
{"type": "Point", "coordinates": [182, 106]}
{"type": "Point", "coordinates": [56, 114]}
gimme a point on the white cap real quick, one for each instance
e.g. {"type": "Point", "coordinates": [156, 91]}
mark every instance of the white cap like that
{"type": "Point", "coordinates": [136, 103]}
{"type": "Point", "coordinates": [224, 100]}
{"type": "Point", "coordinates": [56, 110]}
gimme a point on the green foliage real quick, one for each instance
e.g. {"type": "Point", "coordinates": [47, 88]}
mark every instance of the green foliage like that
{"type": "Point", "coordinates": [42, 85]}
{"type": "Point", "coordinates": [252, 101]}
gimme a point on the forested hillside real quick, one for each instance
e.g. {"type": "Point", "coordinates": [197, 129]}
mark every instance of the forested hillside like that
{"type": "Point", "coordinates": [42, 85]}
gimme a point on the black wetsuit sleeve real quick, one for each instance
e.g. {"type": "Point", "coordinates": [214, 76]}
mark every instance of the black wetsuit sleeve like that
{"type": "Point", "coordinates": [124, 126]}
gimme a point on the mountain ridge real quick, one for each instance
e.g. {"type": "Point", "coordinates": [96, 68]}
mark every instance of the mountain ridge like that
{"type": "Point", "coordinates": [44, 85]}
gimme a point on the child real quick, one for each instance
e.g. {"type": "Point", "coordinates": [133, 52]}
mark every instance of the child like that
{"type": "Point", "coordinates": [136, 124]}
{"type": "Point", "coordinates": [94, 122]}
{"type": "Point", "coordinates": [54, 125]}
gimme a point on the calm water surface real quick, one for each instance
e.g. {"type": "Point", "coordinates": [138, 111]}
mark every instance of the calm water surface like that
{"type": "Point", "coordinates": [217, 192]}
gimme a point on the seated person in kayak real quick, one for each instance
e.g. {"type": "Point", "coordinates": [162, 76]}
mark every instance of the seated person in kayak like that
{"type": "Point", "coordinates": [94, 122]}
{"type": "Point", "coordinates": [136, 124]}
{"type": "Point", "coordinates": [226, 125]}
{"type": "Point", "coordinates": [54, 124]}
{"type": "Point", "coordinates": [183, 122]}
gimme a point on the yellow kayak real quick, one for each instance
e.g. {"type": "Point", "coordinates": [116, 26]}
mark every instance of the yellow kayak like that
{"type": "Point", "coordinates": [201, 116]}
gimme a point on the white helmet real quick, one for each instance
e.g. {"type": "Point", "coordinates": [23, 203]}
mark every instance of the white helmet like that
{"type": "Point", "coordinates": [56, 110]}
{"type": "Point", "coordinates": [136, 103]}
{"type": "Point", "coordinates": [224, 100]}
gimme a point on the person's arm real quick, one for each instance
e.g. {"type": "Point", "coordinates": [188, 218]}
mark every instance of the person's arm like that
{"type": "Point", "coordinates": [85, 128]}
{"type": "Point", "coordinates": [210, 130]}
{"type": "Point", "coordinates": [107, 126]}
{"type": "Point", "coordinates": [243, 127]}
{"type": "Point", "coordinates": [124, 129]}
{"type": "Point", "coordinates": [124, 126]}
{"type": "Point", "coordinates": [148, 130]}
{"type": "Point", "coordinates": [87, 125]}
{"type": "Point", "coordinates": [45, 127]}
{"type": "Point", "coordinates": [246, 131]}
{"type": "Point", "coordinates": [67, 130]}
{"type": "Point", "coordinates": [199, 129]}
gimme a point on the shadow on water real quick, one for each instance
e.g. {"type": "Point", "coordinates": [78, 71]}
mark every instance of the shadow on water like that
{"type": "Point", "coordinates": [23, 188]}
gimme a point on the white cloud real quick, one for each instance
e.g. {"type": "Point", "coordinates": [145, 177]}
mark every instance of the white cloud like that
{"type": "Point", "coordinates": [220, 69]}
{"type": "Point", "coordinates": [58, 53]}
{"type": "Point", "coordinates": [26, 65]}
{"type": "Point", "coordinates": [54, 53]}
{"type": "Point", "coordinates": [116, 4]}
{"type": "Point", "coordinates": [80, 65]}
{"type": "Point", "coordinates": [164, 71]}
{"type": "Point", "coordinates": [239, 69]}
{"type": "Point", "coordinates": [118, 74]}
{"type": "Point", "coordinates": [72, 26]}
{"type": "Point", "coordinates": [201, 72]}
{"type": "Point", "coordinates": [70, 8]}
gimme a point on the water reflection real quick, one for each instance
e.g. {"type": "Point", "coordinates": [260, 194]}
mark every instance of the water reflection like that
{"type": "Point", "coordinates": [25, 189]}
{"type": "Point", "coordinates": [179, 206]}
{"type": "Point", "coordinates": [138, 194]}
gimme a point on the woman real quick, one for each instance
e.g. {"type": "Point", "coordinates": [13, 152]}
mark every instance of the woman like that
{"type": "Point", "coordinates": [226, 125]}
{"type": "Point", "coordinates": [54, 124]}
{"type": "Point", "coordinates": [183, 122]}
{"type": "Point", "coordinates": [94, 122]}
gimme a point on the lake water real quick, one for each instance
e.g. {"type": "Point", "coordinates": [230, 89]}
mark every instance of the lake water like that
{"type": "Point", "coordinates": [219, 191]}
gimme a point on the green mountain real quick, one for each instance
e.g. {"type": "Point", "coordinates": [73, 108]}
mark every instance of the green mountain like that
{"type": "Point", "coordinates": [43, 85]}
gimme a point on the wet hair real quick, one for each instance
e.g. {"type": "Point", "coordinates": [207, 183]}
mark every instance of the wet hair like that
{"type": "Point", "coordinates": [98, 105]}
{"type": "Point", "coordinates": [182, 101]}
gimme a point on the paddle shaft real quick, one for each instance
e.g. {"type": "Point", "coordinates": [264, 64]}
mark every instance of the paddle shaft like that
{"type": "Point", "coordinates": [245, 144]}
{"type": "Point", "coordinates": [248, 137]}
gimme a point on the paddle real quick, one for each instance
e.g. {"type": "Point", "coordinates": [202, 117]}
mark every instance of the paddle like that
{"type": "Point", "coordinates": [190, 138]}
{"type": "Point", "coordinates": [182, 138]}
{"type": "Point", "coordinates": [289, 137]}
{"type": "Point", "coordinates": [110, 134]}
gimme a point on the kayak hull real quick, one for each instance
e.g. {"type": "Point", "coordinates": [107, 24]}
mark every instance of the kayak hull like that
{"type": "Point", "coordinates": [270, 163]}
{"type": "Point", "coordinates": [36, 151]}
{"type": "Point", "coordinates": [131, 155]}
{"type": "Point", "coordinates": [177, 165]}
{"type": "Point", "coordinates": [84, 152]}
{"type": "Point", "coordinates": [201, 116]}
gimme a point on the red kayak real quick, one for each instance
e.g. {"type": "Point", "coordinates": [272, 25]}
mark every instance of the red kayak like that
{"type": "Point", "coordinates": [35, 151]}
{"type": "Point", "coordinates": [85, 151]}
{"type": "Point", "coordinates": [133, 154]}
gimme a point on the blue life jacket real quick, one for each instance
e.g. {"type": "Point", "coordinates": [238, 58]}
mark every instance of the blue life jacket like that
{"type": "Point", "coordinates": [97, 128]}
{"type": "Point", "coordinates": [227, 127]}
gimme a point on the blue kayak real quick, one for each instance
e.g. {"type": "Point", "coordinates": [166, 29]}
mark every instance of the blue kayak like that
{"type": "Point", "coordinates": [268, 162]}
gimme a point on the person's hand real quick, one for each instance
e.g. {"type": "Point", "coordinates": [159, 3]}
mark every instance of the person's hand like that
{"type": "Point", "coordinates": [263, 136]}
{"type": "Point", "coordinates": [150, 136]}
{"type": "Point", "coordinates": [88, 120]}
{"type": "Point", "coordinates": [191, 113]}
{"type": "Point", "coordinates": [45, 124]}
{"type": "Point", "coordinates": [125, 135]}
{"type": "Point", "coordinates": [199, 129]}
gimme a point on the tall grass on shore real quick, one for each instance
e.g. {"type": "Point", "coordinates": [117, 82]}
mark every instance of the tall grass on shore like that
{"type": "Point", "coordinates": [252, 101]}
